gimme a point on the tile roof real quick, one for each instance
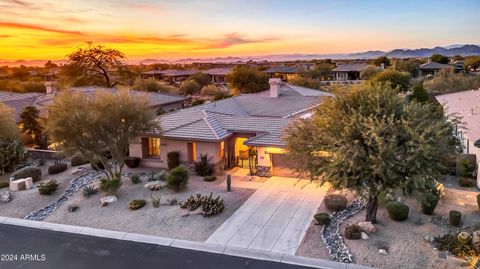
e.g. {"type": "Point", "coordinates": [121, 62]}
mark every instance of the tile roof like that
{"type": "Point", "coordinates": [18, 101]}
{"type": "Point", "coordinates": [350, 67]}
{"type": "Point", "coordinates": [171, 72]}
{"type": "Point", "coordinates": [218, 71]}
{"type": "Point", "coordinates": [465, 104]}
{"type": "Point", "coordinates": [435, 66]}
{"type": "Point", "coordinates": [255, 113]}
{"type": "Point", "coordinates": [283, 69]}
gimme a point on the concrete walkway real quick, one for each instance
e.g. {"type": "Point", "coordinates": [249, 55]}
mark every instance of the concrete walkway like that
{"type": "Point", "coordinates": [275, 218]}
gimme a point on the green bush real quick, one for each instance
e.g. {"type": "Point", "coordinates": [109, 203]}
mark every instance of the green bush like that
{"type": "Point", "coordinates": [454, 217]}
{"type": "Point", "coordinates": [336, 202]}
{"type": "Point", "coordinates": [4, 184]}
{"type": "Point", "coordinates": [110, 186]}
{"type": "Point", "coordinates": [465, 182]}
{"type": "Point", "coordinates": [428, 202]}
{"type": "Point", "coordinates": [137, 204]}
{"type": "Point", "coordinates": [57, 168]}
{"type": "Point", "coordinates": [89, 191]}
{"type": "Point", "coordinates": [465, 167]}
{"type": "Point", "coordinates": [135, 179]}
{"type": "Point", "coordinates": [48, 188]}
{"type": "Point", "coordinates": [397, 211]}
{"type": "Point", "coordinates": [29, 171]}
{"type": "Point", "coordinates": [189, 87]}
{"type": "Point", "coordinates": [173, 159]}
{"type": "Point", "coordinates": [210, 178]}
{"type": "Point", "coordinates": [132, 162]}
{"type": "Point", "coordinates": [353, 232]}
{"type": "Point", "coordinates": [162, 176]}
{"type": "Point", "coordinates": [178, 178]}
{"type": "Point", "coordinates": [204, 167]}
{"type": "Point", "coordinates": [78, 159]}
{"type": "Point", "coordinates": [322, 218]}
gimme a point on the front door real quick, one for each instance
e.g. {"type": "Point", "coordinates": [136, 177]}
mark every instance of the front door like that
{"type": "Point", "coordinates": [191, 152]}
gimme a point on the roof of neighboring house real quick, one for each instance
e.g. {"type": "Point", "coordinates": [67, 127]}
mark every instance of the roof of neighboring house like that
{"type": "Point", "coordinates": [251, 113]}
{"type": "Point", "coordinates": [465, 104]}
{"type": "Point", "coordinates": [218, 71]}
{"type": "Point", "coordinates": [18, 101]}
{"type": "Point", "coordinates": [155, 99]}
{"type": "Point", "coordinates": [436, 66]}
{"type": "Point", "coordinates": [350, 67]}
{"type": "Point", "coordinates": [171, 72]}
{"type": "Point", "coordinates": [284, 69]}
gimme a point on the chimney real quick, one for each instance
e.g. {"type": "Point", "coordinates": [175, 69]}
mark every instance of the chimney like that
{"type": "Point", "coordinates": [275, 84]}
{"type": "Point", "coordinates": [51, 86]}
{"type": "Point", "coordinates": [382, 66]}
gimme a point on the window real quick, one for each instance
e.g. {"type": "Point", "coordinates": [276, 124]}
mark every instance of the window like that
{"type": "Point", "coordinates": [153, 147]}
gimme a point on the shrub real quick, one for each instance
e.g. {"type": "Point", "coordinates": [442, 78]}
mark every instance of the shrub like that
{"type": "Point", "coordinates": [465, 182]}
{"type": "Point", "coordinates": [454, 217]}
{"type": "Point", "coordinates": [210, 178]}
{"type": "Point", "coordinates": [178, 178]}
{"type": "Point", "coordinates": [428, 201]}
{"type": "Point", "coordinates": [135, 179]}
{"type": "Point", "coordinates": [397, 211]}
{"type": "Point", "coordinates": [132, 162]}
{"type": "Point", "coordinates": [353, 232]}
{"type": "Point", "coordinates": [156, 201]}
{"type": "Point", "coordinates": [29, 171]}
{"type": "Point", "coordinates": [137, 204]}
{"type": "Point", "coordinates": [57, 168]}
{"type": "Point", "coordinates": [78, 159]}
{"type": "Point", "coordinates": [89, 191]}
{"type": "Point", "coordinates": [335, 202]}
{"type": "Point", "coordinates": [464, 238]}
{"type": "Point", "coordinates": [322, 218]}
{"type": "Point", "coordinates": [209, 90]}
{"type": "Point", "coordinates": [204, 167]}
{"type": "Point", "coordinates": [173, 159]}
{"type": "Point", "coordinates": [97, 164]}
{"type": "Point", "coordinates": [449, 242]}
{"type": "Point", "coordinates": [48, 188]}
{"type": "Point", "coordinates": [4, 184]}
{"type": "Point", "coordinates": [162, 175]}
{"type": "Point", "coordinates": [189, 87]}
{"type": "Point", "coordinates": [210, 206]}
{"type": "Point", "coordinates": [465, 167]}
{"type": "Point", "coordinates": [110, 186]}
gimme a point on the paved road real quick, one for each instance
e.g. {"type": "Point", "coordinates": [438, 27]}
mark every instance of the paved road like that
{"type": "Point", "coordinates": [275, 218]}
{"type": "Point", "coordinates": [68, 251]}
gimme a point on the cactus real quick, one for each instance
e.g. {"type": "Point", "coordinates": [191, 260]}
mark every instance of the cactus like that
{"type": "Point", "coordinates": [210, 206]}
{"type": "Point", "coordinates": [455, 217]}
{"type": "Point", "coordinates": [229, 183]}
{"type": "Point", "coordinates": [464, 238]}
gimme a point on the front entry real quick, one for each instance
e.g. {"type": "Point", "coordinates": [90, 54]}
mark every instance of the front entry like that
{"type": "Point", "coordinates": [191, 152]}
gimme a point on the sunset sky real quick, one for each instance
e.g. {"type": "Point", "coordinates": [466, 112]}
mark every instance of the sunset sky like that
{"type": "Point", "coordinates": [50, 29]}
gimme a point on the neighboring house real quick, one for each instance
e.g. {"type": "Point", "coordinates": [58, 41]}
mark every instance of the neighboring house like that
{"type": "Point", "coordinates": [218, 75]}
{"type": "Point", "coordinates": [160, 102]}
{"type": "Point", "coordinates": [348, 71]}
{"type": "Point", "coordinates": [285, 73]}
{"type": "Point", "coordinates": [172, 76]}
{"type": "Point", "coordinates": [466, 105]}
{"type": "Point", "coordinates": [431, 68]}
{"type": "Point", "coordinates": [18, 101]}
{"type": "Point", "coordinates": [230, 128]}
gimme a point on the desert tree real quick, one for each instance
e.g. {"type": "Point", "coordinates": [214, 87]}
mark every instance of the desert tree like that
{"type": "Point", "coordinates": [96, 60]}
{"type": "Point", "coordinates": [8, 128]}
{"type": "Point", "coordinates": [439, 58]}
{"type": "Point", "coordinates": [246, 79]}
{"type": "Point", "coordinates": [382, 60]}
{"type": "Point", "coordinates": [94, 125]}
{"type": "Point", "coordinates": [397, 79]}
{"type": "Point", "coordinates": [372, 140]}
{"type": "Point", "coordinates": [30, 124]}
{"type": "Point", "coordinates": [11, 149]}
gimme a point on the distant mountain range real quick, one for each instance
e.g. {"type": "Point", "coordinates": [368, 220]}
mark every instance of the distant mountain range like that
{"type": "Point", "coordinates": [452, 50]}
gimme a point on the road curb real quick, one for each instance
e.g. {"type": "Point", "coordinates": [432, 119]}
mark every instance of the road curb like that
{"type": "Point", "coordinates": [183, 244]}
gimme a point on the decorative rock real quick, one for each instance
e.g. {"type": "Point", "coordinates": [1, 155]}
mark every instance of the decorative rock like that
{"type": "Point", "coordinates": [78, 170]}
{"type": "Point", "coordinates": [155, 185]}
{"type": "Point", "coordinates": [442, 255]}
{"type": "Point", "coordinates": [367, 227]}
{"type": "Point", "coordinates": [382, 251]}
{"type": "Point", "coordinates": [104, 201]}
{"type": "Point", "coordinates": [6, 197]}
{"type": "Point", "coordinates": [72, 208]}
{"type": "Point", "coordinates": [364, 236]}
{"type": "Point", "coordinates": [429, 238]}
{"type": "Point", "coordinates": [476, 241]}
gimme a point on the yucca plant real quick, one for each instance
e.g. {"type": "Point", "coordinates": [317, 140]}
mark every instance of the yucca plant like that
{"type": "Point", "coordinates": [89, 191]}
{"type": "Point", "coordinates": [204, 167]}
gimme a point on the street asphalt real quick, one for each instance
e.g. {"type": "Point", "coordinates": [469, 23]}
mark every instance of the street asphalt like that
{"type": "Point", "coordinates": [23, 247]}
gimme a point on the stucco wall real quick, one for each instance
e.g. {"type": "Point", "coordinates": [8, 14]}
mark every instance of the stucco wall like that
{"type": "Point", "coordinates": [264, 155]}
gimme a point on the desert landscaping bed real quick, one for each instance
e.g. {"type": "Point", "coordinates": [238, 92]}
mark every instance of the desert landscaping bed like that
{"type": "Point", "coordinates": [407, 243]}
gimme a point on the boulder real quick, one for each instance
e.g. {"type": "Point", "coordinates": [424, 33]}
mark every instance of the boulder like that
{"type": "Point", "coordinates": [155, 185]}
{"type": "Point", "coordinates": [382, 251]}
{"type": "Point", "coordinates": [72, 208]}
{"type": "Point", "coordinates": [367, 227]}
{"type": "Point", "coordinates": [476, 241]}
{"type": "Point", "coordinates": [104, 201]}
{"type": "Point", "coordinates": [364, 236]}
{"type": "Point", "coordinates": [6, 197]}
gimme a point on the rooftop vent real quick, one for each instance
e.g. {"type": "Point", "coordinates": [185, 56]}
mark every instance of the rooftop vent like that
{"type": "Point", "coordinates": [275, 84]}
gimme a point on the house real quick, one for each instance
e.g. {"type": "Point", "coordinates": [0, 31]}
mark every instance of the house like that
{"type": "Point", "coordinates": [218, 75]}
{"type": "Point", "coordinates": [173, 76]}
{"type": "Point", "coordinates": [348, 71]}
{"type": "Point", "coordinates": [160, 102]}
{"type": "Point", "coordinates": [18, 101]}
{"type": "Point", "coordinates": [431, 68]}
{"type": "Point", "coordinates": [466, 105]}
{"type": "Point", "coordinates": [285, 73]}
{"type": "Point", "coordinates": [243, 131]}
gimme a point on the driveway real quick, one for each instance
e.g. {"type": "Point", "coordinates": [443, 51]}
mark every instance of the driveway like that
{"type": "Point", "coordinates": [275, 218]}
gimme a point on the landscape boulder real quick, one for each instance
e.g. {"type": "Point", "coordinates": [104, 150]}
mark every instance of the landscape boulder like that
{"type": "Point", "coordinates": [476, 241]}
{"type": "Point", "coordinates": [104, 201]}
{"type": "Point", "coordinates": [155, 185]}
{"type": "Point", "coordinates": [367, 227]}
{"type": "Point", "coordinates": [72, 208]}
{"type": "Point", "coordinates": [6, 197]}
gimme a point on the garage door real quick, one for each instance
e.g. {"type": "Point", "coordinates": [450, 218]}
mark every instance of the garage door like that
{"type": "Point", "coordinates": [281, 166]}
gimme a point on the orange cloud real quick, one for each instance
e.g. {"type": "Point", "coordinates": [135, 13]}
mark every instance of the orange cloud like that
{"type": "Point", "coordinates": [38, 27]}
